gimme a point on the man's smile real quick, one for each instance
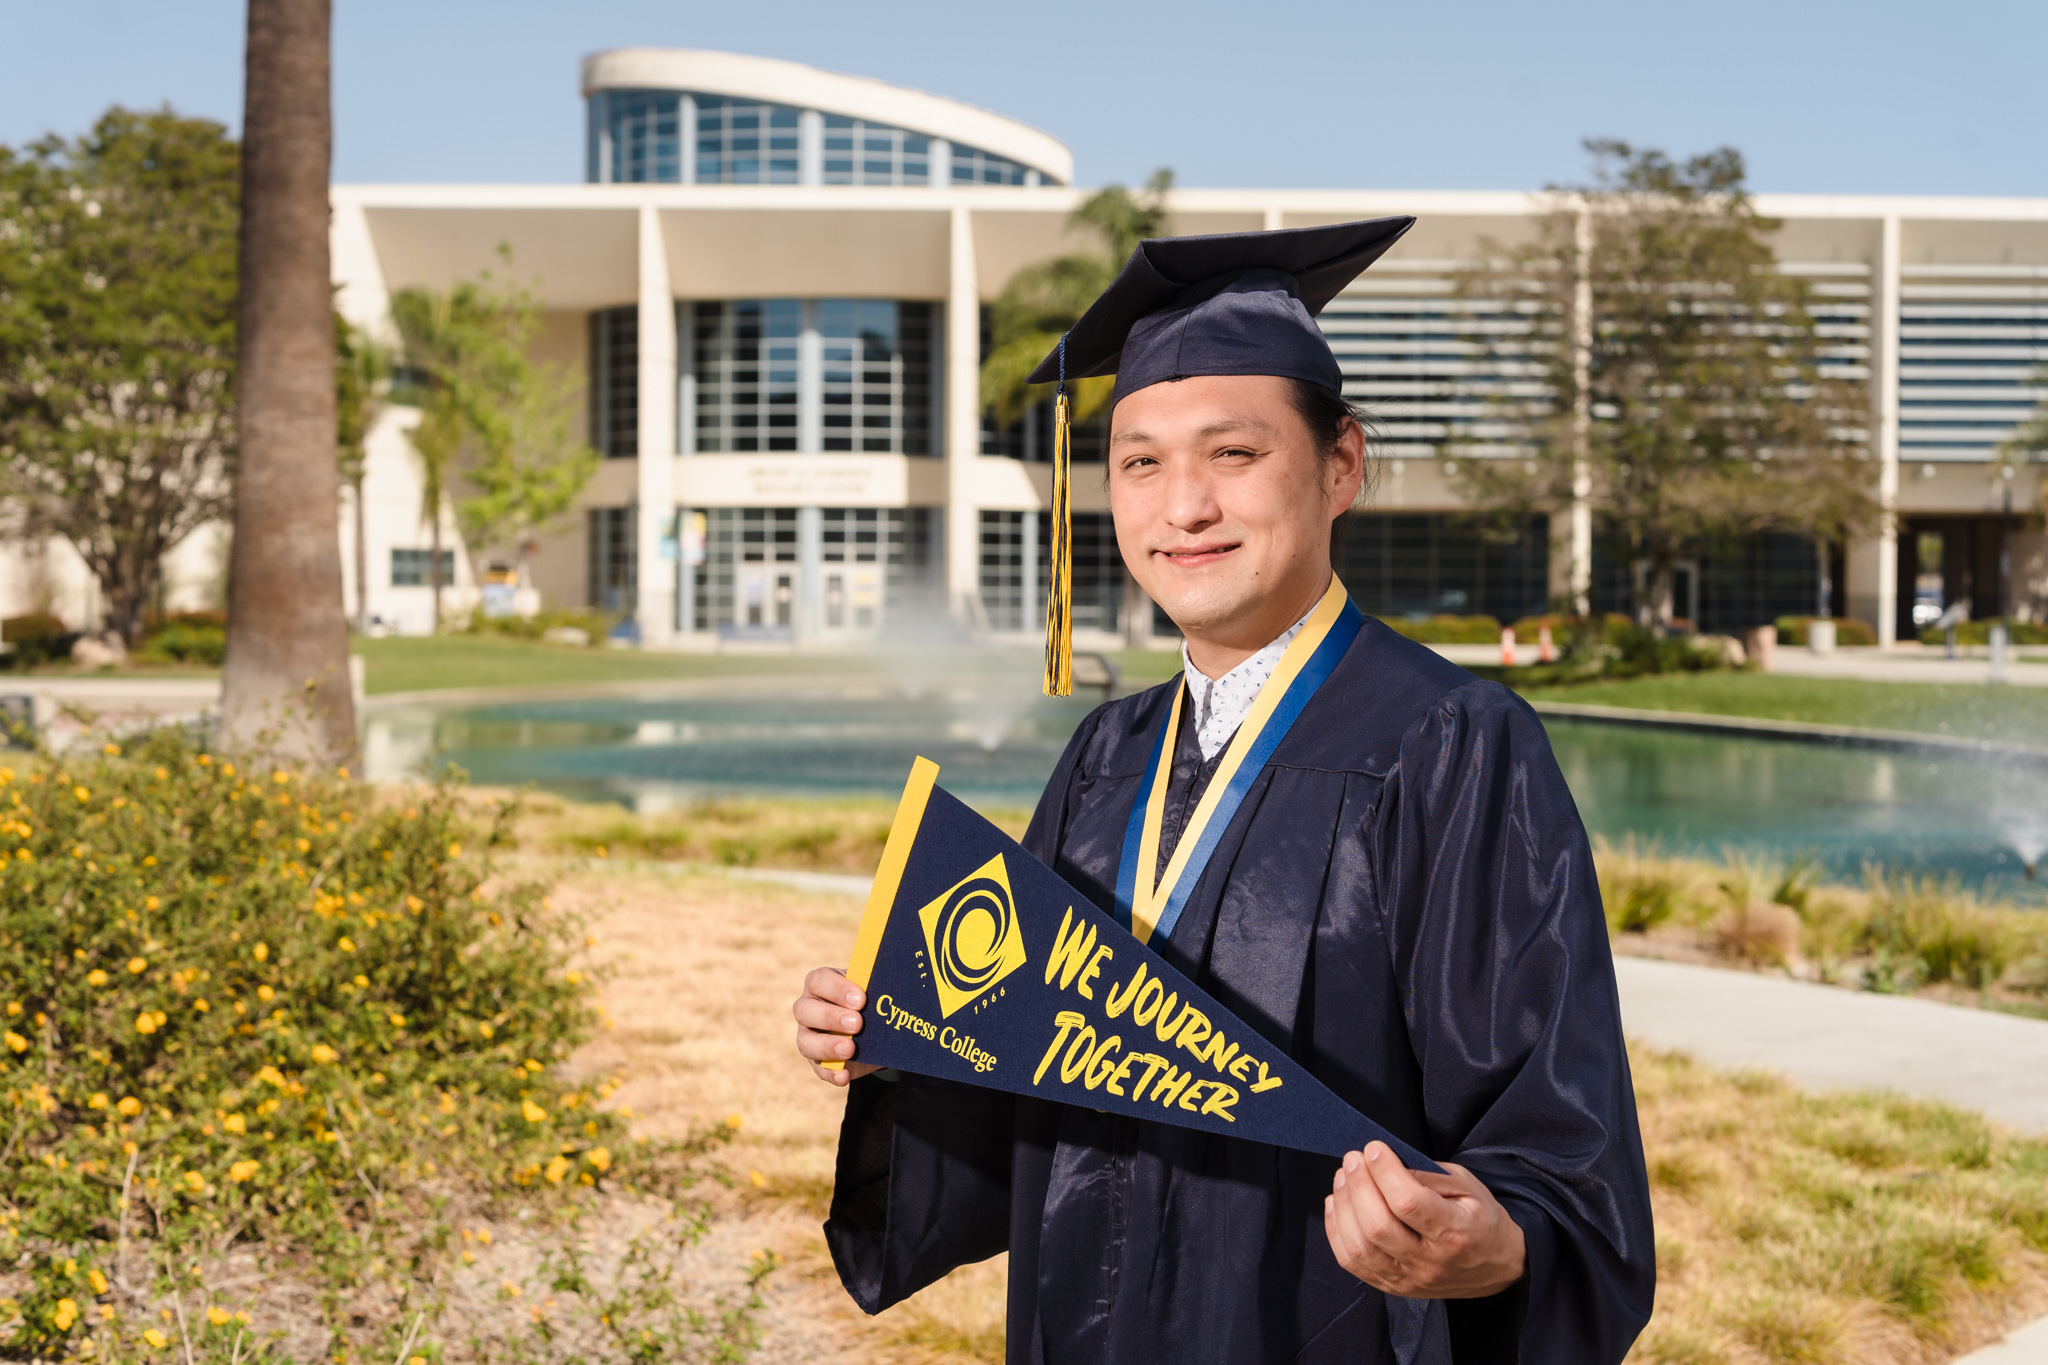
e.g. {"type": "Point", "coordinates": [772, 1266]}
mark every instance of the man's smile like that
{"type": "Point", "coordinates": [1195, 556]}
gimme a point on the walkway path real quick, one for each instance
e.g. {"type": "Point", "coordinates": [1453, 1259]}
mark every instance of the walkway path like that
{"type": "Point", "coordinates": [1826, 1038]}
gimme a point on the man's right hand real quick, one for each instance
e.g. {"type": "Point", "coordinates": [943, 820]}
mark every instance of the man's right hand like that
{"type": "Point", "coordinates": [827, 1017]}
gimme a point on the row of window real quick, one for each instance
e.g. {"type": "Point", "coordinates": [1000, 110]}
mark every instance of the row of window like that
{"type": "Point", "coordinates": [837, 375]}
{"type": "Point", "coordinates": [675, 137]}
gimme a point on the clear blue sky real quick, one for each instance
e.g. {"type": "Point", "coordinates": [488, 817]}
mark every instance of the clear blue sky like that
{"type": "Point", "coordinates": [1822, 95]}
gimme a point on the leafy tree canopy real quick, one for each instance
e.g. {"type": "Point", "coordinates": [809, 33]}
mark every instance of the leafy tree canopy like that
{"type": "Point", "coordinates": [1677, 371]}
{"type": "Point", "coordinates": [117, 341]}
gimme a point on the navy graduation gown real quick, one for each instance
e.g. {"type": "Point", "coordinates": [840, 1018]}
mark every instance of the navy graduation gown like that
{"type": "Point", "coordinates": [1405, 902]}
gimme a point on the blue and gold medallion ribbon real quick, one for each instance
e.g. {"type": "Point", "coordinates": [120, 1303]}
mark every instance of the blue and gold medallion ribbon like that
{"type": "Point", "coordinates": [1149, 907]}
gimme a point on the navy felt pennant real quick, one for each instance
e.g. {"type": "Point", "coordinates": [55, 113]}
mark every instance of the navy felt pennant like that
{"type": "Point", "coordinates": [982, 965]}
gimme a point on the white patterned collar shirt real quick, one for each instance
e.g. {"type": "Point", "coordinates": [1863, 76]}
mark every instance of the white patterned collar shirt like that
{"type": "Point", "coordinates": [1221, 704]}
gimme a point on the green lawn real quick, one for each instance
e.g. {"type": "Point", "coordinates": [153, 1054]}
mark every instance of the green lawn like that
{"type": "Point", "coordinates": [2016, 715]}
{"type": "Point", "coordinates": [421, 664]}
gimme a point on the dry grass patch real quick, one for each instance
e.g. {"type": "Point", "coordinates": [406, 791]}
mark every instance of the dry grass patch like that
{"type": "Point", "coordinates": [1835, 1228]}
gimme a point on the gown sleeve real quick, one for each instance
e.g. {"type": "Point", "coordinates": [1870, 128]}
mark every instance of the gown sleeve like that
{"type": "Point", "coordinates": [1500, 946]}
{"type": "Point", "coordinates": [922, 1183]}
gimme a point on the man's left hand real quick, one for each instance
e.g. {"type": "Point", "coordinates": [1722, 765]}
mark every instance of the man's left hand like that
{"type": "Point", "coordinates": [1418, 1234]}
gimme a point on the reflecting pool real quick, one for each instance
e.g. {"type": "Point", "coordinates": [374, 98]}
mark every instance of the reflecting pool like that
{"type": "Point", "coordinates": [1978, 819]}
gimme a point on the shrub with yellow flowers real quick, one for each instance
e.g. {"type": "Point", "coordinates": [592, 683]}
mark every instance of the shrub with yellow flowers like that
{"type": "Point", "coordinates": [260, 1006]}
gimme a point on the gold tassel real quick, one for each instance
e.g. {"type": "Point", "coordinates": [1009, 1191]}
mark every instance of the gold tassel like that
{"type": "Point", "coordinates": [1059, 593]}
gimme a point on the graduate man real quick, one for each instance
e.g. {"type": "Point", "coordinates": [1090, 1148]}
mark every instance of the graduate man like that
{"type": "Point", "coordinates": [1402, 898]}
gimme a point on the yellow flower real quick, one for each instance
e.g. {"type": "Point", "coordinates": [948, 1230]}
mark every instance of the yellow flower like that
{"type": "Point", "coordinates": [343, 772]}
{"type": "Point", "coordinates": [599, 1157]}
{"type": "Point", "coordinates": [201, 1005]}
{"type": "Point", "coordinates": [397, 1020]}
{"type": "Point", "coordinates": [484, 1235]}
{"type": "Point", "coordinates": [150, 902]}
{"type": "Point", "coordinates": [305, 845]}
{"type": "Point", "coordinates": [415, 904]}
{"type": "Point", "coordinates": [735, 1121]}
{"type": "Point", "coordinates": [81, 793]}
{"type": "Point", "coordinates": [323, 1053]}
{"type": "Point", "coordinates": [195, 1182]}
{"type": "Point", "coordinates": [261, 952]}
{"type": "Point", "coordinates": [533, 1112]}
{"type": "Point", "coordinates": [264, 992]}
{"type": "Point", "coordinates": [486, 1030]}
{"type": "Point", "coordinates": [129, 1106]}
{"type": "Point", "coordinates": [455, 850]}
{"type": "Point", "coordinates": [235, 1123]}
{"type": "Point", "coordinates": [242, 1171]}
{"type": "Point", "coordinates": [272, 1075]}
{"type": "Point", "coordinates": [98, 1101]}
{"type": "Point", "coordinates": [556, 1170]}
{"type": "Point", "coordinates": [96, 1280]}
{"type": "Point", "coordinates": [760, 1181]}
{"type": "Point", "coordinates": [533, 1066]}
{"type": "Point", "coordinates": [156, 1339]}
{"type": "Point", "coordinates": [347, 945]}
{"type": "Point", "coordinates": [67, 1313]}
{"type": "Point", "coordinates": [129, 1149]}
{"type": "Point", "coordinates": [218, 1316]}
{"type": "Point", "coordinates": [16, 1041]}
{"type": "Point", "coordinates": [280, 778]}
{"type": "Point", "coordinates": [145, 1022]}
{"type": "Point", "coordinates": [13, 1008]}
{"type": "Point", "coordinates": [111, 750]}
{"type": "Point", "coordinates": [138, 965]}
{"type": "Point", "coordinates": [95, 977]}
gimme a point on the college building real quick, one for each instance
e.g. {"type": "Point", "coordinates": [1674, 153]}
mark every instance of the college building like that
{"type": "Point", "coordinates": [774, 285]}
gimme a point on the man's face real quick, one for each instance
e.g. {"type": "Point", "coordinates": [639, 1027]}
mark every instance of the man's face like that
{"type": "Point", "coordinates": [1222, 502]}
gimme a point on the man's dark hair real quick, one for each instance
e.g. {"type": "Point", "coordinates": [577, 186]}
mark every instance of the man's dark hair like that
{"type": "Point", "coordinates": [1328, 416]}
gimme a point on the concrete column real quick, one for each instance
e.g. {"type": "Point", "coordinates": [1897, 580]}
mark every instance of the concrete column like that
{"type": "Point", "coordinates": [656, 609]}
{"type": "Point", "coordinates": [1883, 595]}
{"type": "Point", "coordinates": [1274, 220]}
{"type": "Point", "coordinates": [808, 617]}
{"type": "Point", "coordinates": [810, 143]}
{"type": "Point", "coordinates": [942, 163]}
{"type": "Point", "coordinates": [963, 422]}
{"type": "Point", "coordinates": [810, 382]}
{"type": "Point", "coordinates": [686, 125]}
{"type": "Point", "coordinates": [1579, 554]}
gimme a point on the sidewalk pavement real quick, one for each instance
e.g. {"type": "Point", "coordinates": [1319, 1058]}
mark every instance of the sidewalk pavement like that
{"type": "Point", "coordinates": [1827, 1038]}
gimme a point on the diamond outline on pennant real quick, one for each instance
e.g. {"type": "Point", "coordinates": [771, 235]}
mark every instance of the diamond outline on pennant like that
{"type": "Point", "coordinates": [968, 959]}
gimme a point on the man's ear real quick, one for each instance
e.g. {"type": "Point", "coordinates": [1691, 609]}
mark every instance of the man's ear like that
{"type": "Point", "coordinates": [1344, 469]}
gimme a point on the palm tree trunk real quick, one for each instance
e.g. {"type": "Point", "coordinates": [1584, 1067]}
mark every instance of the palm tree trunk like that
{"type": "Point", "coordinates": [362, 539]}
{"type": "Point", "coordinates": [287, 660]}
{"type": "Point", "coordinates": [434, 561]}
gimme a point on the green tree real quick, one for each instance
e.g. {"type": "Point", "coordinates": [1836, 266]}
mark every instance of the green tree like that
{"type": "Point", "coordinates": [117, 343]}
{"type": "Point", "coordinates": [491, 416]}
{"type": "Point", "coordinates": [362, 387]}
{"type": "Point", "coordinates": [1678, 382]}
{"type": "Point", "coordinates": [1040, 302]}
{"type": "Point", "coordinates": [286, 683]}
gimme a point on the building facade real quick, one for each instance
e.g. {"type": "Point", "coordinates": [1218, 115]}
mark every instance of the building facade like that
{"type": "Point", "coordinates": [774, 284]}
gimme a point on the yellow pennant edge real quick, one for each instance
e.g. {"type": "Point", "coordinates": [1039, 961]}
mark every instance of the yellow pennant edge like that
{"type": "Point", "coordinates": [867, 941]}
{"type": "Point", "coordinates": [1151, 903]}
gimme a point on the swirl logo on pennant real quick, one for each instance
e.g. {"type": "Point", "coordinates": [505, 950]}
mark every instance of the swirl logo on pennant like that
{"type": "Point", "coordinates": [971, 932]}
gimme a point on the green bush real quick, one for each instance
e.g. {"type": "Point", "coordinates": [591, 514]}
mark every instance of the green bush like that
{"type": "Point", "coordinates": [1848, 630]}
{"type": "Point", "coordinates": [1446, 630]}
{"type": "Point", "coordinates": [1933, 931]}
{"type": "Point", "coordinates": [1979, 633]}
{"type": "Point", "coordinates": [37, 637]}
{"type": "Point", "coordinates": [186, 642]}
{"type": "Point", "coordinates": [595, 624]}
{"type": "Point", "coordinates": [258, 1008]}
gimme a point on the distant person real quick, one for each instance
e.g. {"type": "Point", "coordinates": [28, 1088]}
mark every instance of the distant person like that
{"type": "Point", "coordinates": [1401, 896]}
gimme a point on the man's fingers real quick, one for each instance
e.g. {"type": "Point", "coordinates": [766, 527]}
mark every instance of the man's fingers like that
{"type": "Point", "coordinates": [1378, 1223]}
{"type": "Point", "coordinates": [1417, 1206]}
{"type": "Point", "coordinates": [829, 983]}
{"type": "Point", "coordinates": [825, 1016]}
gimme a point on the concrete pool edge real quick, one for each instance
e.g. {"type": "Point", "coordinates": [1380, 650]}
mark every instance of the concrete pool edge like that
{"type": "Point", "coordinates": [1807, 732]}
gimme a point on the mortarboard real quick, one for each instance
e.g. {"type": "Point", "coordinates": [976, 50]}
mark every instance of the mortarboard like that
{"type": "Point", "coordinates": [1229, 303]}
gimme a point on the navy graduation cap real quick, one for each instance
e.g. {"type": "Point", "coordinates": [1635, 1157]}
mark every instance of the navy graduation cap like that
{"type": "Point", "coordinates": [1228, 303]}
